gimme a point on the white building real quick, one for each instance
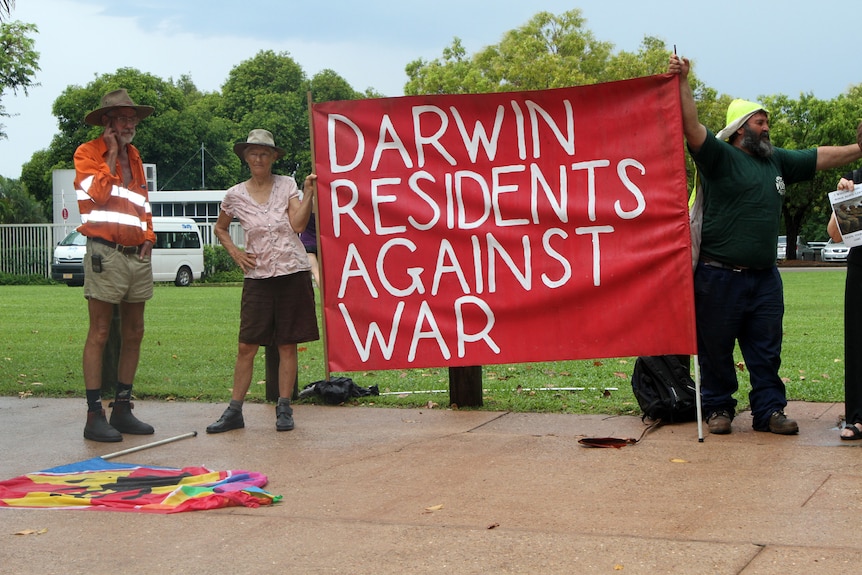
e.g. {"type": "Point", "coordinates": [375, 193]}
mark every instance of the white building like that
{"type": "Point", "coordinates": [202, 206]}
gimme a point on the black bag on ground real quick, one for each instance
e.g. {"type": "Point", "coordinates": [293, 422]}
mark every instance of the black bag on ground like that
{"type": "Point", "coordinates": [664, 388]}
{"type": "Point", "coordinates": [337, 390]}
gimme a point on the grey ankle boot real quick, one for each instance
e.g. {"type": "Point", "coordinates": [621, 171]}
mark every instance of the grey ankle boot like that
{"type": "Point", "coordinates": [98, 429]}
{"type": "Point", "coordinates": [124, 421]}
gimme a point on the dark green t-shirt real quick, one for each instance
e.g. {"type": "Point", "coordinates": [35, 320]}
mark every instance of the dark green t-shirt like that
{"type": "Point", "coordinates": [742, 200]}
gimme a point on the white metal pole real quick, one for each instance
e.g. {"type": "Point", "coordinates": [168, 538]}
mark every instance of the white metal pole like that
{"type": "Point", "coordinates": [149, 445]}
{"type": "Point", "coordinates": [697, 400]}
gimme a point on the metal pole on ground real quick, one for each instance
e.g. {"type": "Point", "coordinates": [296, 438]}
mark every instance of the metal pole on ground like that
{"type": "Point", "coordinates": [149, 445]}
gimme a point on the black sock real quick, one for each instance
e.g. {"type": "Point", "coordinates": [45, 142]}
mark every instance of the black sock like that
{"type": "Point", "coordinates": [235, 404]}
{"type": "Point", "coordinates": [94, 400]}
{"type": "Point", "coordinates": [124, 392]}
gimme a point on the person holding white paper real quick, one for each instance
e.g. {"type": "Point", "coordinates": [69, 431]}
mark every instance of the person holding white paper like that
{"type": "Point", "coordinates": [852, 324]}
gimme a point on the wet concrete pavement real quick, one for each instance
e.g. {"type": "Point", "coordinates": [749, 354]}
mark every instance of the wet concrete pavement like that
{"type": "Point", "coordinates": [374, 490]}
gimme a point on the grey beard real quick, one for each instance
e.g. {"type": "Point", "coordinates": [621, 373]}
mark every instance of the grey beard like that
{"type": "Point", "coordinates": [757, 146]}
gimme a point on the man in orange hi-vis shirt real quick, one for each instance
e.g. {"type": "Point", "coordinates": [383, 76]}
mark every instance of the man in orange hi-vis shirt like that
{"type": "Point", "coordinates": [117, 220]}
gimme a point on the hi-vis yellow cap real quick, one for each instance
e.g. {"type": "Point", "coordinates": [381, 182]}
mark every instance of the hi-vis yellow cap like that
{"type": "Point", "coordinates": [738, 114]}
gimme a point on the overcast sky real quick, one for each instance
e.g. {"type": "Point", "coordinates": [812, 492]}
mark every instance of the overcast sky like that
{"type": "Point", "coordinates": [742, 48]}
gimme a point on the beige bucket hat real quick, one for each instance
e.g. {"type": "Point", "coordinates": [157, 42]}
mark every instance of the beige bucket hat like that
{"type": "Point", "coordinates": [258, 137]}
{"type": "Point", "coordinates": [112, 101]}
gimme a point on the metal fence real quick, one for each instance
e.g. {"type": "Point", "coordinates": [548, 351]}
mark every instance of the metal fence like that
{"type": "Point", "coordinates": [27, 249]}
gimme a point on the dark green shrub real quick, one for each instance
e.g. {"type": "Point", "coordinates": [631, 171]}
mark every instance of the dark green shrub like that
{"type": "Point", "coordinates": [24, 280]}
{"type": "Point", "coordinates": [219, 267]}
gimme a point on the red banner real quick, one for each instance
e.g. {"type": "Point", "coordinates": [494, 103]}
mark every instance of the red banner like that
{"type": "Point", "coordinates": [504, 228]}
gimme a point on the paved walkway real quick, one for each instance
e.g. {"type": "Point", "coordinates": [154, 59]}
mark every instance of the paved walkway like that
{"type": "Point", "coordinates": [379, 491]}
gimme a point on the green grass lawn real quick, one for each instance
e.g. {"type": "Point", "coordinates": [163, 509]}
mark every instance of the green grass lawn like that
{"type": "Point", "coordinates": [190, 345]}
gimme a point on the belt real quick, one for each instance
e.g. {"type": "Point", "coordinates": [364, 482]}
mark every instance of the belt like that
{"type": "Point", "coordinates": [723, 266]}
{"type": "Point", "coordinates": [125, 250]}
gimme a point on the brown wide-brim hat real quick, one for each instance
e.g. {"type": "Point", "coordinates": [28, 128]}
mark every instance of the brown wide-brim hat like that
{"type": "Point", "coordinates": [112, 101]}
{"type": "Point", "coordinates": [258, 137]}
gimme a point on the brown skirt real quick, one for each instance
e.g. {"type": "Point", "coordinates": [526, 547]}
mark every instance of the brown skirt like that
{"type": "Point", "coordinates": [278, 311]}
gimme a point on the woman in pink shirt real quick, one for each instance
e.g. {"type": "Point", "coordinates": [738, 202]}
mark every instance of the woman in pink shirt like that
{"type": "Point", "coordinates": [277, 294]}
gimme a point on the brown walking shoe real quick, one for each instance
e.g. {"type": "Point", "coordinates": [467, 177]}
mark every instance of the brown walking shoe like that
{"type": "Point", "coordinates": [779, 423]}
{"type": "Point", "coordinates": [719, 422]}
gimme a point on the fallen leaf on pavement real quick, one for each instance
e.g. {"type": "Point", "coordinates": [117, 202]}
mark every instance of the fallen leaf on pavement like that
{"type": "Point", "coordinates": [32, 531]}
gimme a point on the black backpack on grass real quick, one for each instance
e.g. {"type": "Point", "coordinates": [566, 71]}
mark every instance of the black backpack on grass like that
{"type": "Point", "coordinates": [664, 388]}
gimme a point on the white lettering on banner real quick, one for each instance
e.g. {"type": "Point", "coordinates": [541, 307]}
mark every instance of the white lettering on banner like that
{"type": "Point", "coordinates": [334, 166]}
{"type": "Point", "coordinates": [463, 185]}
{"type": "Point", "coordinates": [377, 199]}
{"type": "Point", "coordinates": [399, 280]}
{"type": "Point", "coordinates": [559, 207]}
{"type": "Point", "coordinates": [386, 128]}
{"type": "Point", "coordinates": [360, 271]}
{"type": "Point", "coordinates": [566, 141]}
{"type": "Point", "coordinates": [471, 143]}
{"type": "Point", "coordinates": [431, 123]}
{"type": "Point", "coordinates": [594, 232]}
{"type": "Point", "coordinates": [483, 334]}
{"type": "Point", "coordinates": [434, 139]}
{"type": "Point", "coordinates": [638, 195]}
{"type": "Point", "coordinates": [346, 209]}
{"type": "Point", "coordinates": [424, 316]}
{"type": "Point", "coordinates": [415, 286]}
{"type": "Point", "coordinates": [564, 263]}
{"type": "Point", "coordinates": [446, 252]}
{"type": "Point", "coordinates": [555, 209]}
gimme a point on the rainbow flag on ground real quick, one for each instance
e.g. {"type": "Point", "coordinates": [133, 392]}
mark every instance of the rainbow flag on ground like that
{"type": "Point", "coordinates": [96, 484]}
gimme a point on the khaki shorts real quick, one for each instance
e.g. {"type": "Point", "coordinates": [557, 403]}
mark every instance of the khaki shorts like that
{"type": "Point", "coordinates": [123, 277]}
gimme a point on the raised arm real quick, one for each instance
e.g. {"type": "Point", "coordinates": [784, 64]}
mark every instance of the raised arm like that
{"type": "Point", "coordinates": [695, 132]}
{"type": "Point", "coordinates": [836, 156]}
{"type": "Point", "coordinates": [300, 211]}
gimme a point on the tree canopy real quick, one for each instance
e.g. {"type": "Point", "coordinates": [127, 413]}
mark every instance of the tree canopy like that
{"type": "Point", "coordinates": [19, 61]}
{"type": "Point", "coordinates": [190, 129]}
{"type": "Point", "coordinates": [270, 90]}
{"type": "Point", "coordinates": [6, 8]}
{"type": "Point", "coordinates": [17, 206]}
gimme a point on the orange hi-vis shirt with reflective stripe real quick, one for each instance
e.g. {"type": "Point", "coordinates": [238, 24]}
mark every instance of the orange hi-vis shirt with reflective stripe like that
{"type": "Point", "coordinates": [108, 209]}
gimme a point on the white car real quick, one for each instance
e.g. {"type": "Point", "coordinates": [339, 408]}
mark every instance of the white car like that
{"type": "Point", "coordinates": [814, 251]}
{"type": "Point", "coordinates": [835, 252]}
{"type": "Point", "coordinates": [781, 248]}
{"type": "Point", "coordinates": [68, 263]}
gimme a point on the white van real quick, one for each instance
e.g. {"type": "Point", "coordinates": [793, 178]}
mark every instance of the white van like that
{"type": "Point", "coordinates": [178, 255]}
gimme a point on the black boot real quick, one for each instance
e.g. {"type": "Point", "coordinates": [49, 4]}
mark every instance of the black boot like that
{"type": "Point", "coordinates": [124, 420]}
{"type": "Point", "coordinates": [230, 419]}
{"type": "Point", "coordinates": [283, 415]}
{"type": "Point", "coordinates": [97, 428]}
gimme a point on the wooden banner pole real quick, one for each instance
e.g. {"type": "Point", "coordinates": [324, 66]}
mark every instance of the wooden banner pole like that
{"type": "Point", "coordinates": [316, 215]}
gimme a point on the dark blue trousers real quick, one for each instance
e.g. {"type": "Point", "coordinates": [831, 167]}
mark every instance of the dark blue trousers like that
{"type": "Point", "coordinates": [745, 306]}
